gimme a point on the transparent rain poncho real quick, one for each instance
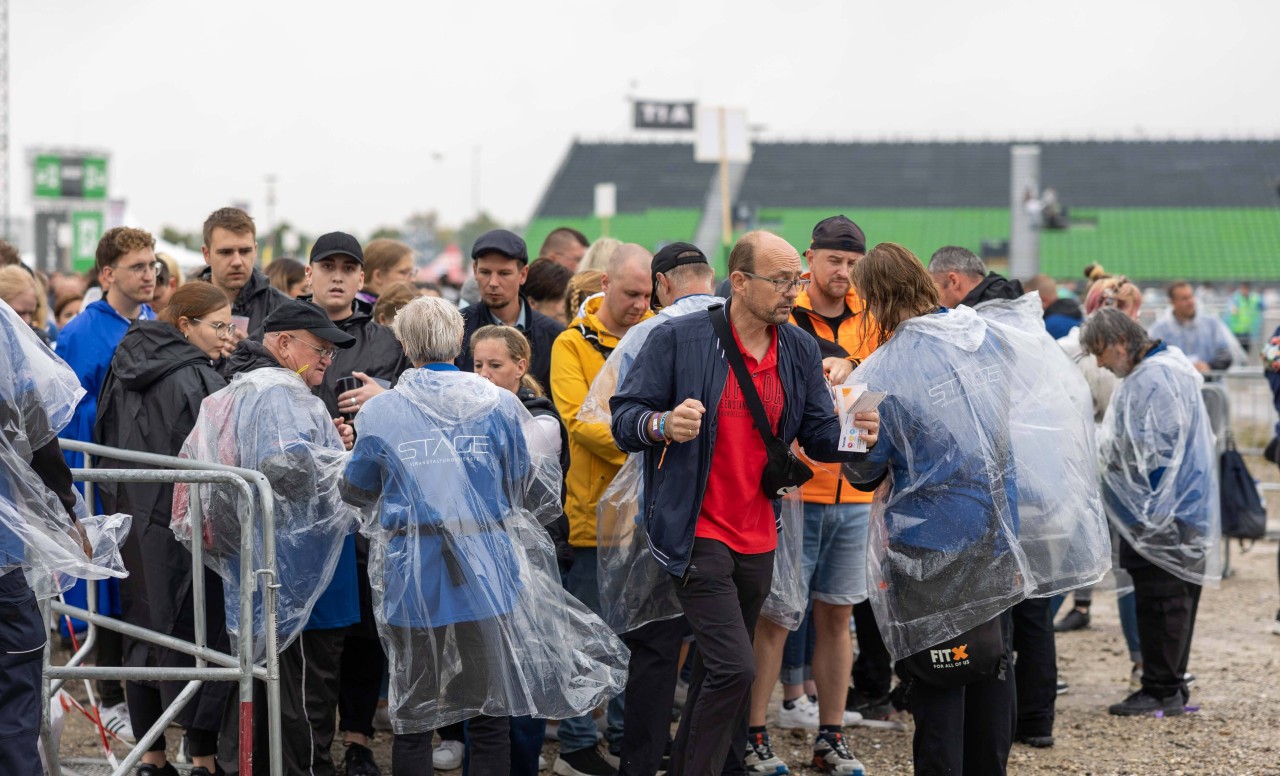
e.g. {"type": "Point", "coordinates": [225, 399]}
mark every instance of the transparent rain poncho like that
{"type": "Point", "coordinates": [38, 395]}
{"type": "Point", "coordinates": [268, 420]}
{"type": "Point", "coordinates": [634, 589]}
{"type": "Point", "coordinates": [466, 590]}
{"type": "Point", "coordinates": [1160, 470]}
{"type": "Point", "coordinates": [944, 551]}
{"type": "Point", "coordinates": [1061, 525]}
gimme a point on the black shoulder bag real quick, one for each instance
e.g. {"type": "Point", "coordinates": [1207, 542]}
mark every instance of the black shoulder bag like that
{"type": "Point", "coordinates": [783, 472]}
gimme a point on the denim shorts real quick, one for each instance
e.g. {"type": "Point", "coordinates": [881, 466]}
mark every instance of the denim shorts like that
{"type": "Point", "coordinates": [835, 552]}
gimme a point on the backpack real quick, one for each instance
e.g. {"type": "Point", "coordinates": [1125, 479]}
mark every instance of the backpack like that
{"type": "Point", "coordinates": [1243, 515]}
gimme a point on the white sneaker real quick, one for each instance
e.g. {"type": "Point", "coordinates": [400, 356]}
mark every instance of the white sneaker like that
{"type": "Point", "coordinates": [803, 715]}
{"type": "Point", "coordinates": [116, 720]}
{"type": "Point", "coordinates": [447, 756]}
{"type": "Point", "coordinates": [852, 717]}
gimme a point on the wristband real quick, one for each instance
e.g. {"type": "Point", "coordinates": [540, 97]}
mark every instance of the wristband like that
{"type": "Point", "coordinates": [662, 425]}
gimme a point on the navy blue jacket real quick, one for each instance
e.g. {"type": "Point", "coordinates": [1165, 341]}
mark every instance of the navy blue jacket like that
{"type": "Point", "coordinates": [682, 359]}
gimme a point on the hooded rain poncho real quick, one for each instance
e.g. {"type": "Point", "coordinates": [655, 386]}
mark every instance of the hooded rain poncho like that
{"type": "Point", "coordinates": [466, 589]}
{"type": "Point", "coordinates": [945, 553]}
{"type": "Point", "coordinates": [38, 396]}
{"type": "Point", "coordinates": [268, 420]}
{"type": "Point", "coordinates": [1159, 468]}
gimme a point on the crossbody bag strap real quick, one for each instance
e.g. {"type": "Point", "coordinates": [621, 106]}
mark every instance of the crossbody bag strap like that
{"type": "Point", "coordinates": [720, 322]}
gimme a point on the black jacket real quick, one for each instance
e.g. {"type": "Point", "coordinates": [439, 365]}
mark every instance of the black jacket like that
{"type": "Point", "coordinates": [256, 300]}
{"type": "Point", "coordinates": [558, 528]}
{"type": "Point", "coordinates": [149, 403]}
{"type": "Point", "coordinates": [250, 355]}
{"type": "Point", "coordinates": [993, 286]}
{"type": "Point", "coordinates": [376, 352]}
{"type": "Point", "coordinates": [540, 330]}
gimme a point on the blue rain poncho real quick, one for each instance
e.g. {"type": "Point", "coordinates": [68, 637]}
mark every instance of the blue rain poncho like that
{"type": "Point", "coordinates": [950, 546]}
{"type": "Point", "coordinates": [268, 420]}
{"type": "Point", "coordinates": [38, 396]}
{"type": "Point", "coordinates": [634, 589]}
{"type": "Point", "coordinates": [466, 589]}
{"type": "Point", "coordinates": [1159, 468]}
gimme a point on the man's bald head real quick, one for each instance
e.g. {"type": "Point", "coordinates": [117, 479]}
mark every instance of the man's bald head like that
{"type": "Point", "coordinates": [627, 287]}
{"type": "Point", "coordinates": [629, 255]}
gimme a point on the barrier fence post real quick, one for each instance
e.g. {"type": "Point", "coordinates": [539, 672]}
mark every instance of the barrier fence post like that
{"type": "Point", "coordinates": [210, 665]}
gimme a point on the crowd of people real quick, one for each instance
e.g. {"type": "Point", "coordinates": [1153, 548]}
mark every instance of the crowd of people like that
{"type": "Point", "coordinates": [561, 507]}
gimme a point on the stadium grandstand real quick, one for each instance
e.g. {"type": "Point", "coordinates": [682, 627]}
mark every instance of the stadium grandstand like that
{"type": "Point", "coordinates": [1201, 210]}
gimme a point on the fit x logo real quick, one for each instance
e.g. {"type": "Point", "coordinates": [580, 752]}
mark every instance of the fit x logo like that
{"type": "Point", "coordinates": [958, 655]}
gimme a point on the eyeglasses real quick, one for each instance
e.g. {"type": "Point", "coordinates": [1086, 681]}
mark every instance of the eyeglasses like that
{"type": "Point", "coordinates": [141, 269]}
{"type": "Point", "coordinates": [781, 285]}
{"type": "Point", "coordinates": [223, 330]}
{"type": "Point", "coordinates": [329, 353]}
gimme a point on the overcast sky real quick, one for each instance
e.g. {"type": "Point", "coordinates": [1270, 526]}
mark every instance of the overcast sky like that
{"type": "Point", "coordinates": [366, 112]}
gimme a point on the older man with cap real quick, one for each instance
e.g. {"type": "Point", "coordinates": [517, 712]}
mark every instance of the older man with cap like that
{"type": "Point", "coordinates": [836, 516]}
{"type": "Point", "coordinates": [501, 264]}
{"type": "Point", "coordinates": [299, 337]}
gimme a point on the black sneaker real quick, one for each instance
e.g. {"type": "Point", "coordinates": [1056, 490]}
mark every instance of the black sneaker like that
{"type": "Point", "coordinates": [1075, 620]}
{"type": "Point", "coordinates": [200, 770]}
{"type": "Point", "coordinates": [1038, 742]}
{"type": "Point", "coordinates": [1143, 704]}
{"type": "Point", "coordinates": [359, 761]}
{"type": "Point", "coordinates": [584, 762]}
{"type": "Point", "coordinates": [870, 708]}
{"type": "Point", "coordinates": [831, 755]}
{"type": "Point", "coordinates": [146, 769]}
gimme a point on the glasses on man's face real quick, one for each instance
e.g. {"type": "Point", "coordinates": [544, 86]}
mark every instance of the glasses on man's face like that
{"type": "Point", "coordinates": [223, 330]}
{"type": "Point", "coordinates": [328, 353]}
{"type": "Point", "coordinates": [781, 285]}
{"type": "Point", "coordinates": [141, 269]}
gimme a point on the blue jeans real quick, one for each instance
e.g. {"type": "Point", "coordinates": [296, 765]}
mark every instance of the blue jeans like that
{"type": "Point", "coordinates": [797, 653]}
{"type": "Point", "coordinates": [835, 552]}
{"type": "Point", "coordinates": [580, 733]}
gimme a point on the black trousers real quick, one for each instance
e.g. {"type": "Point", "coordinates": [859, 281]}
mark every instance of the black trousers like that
{"type": "Point", "coordinates": [721, 594]}
{"type": "Point", "coordinates": [488, 750]}
{"type": "Point", "coordinates": [964, 731]}
{"type": "Point", "coordinates": [873, 668]}
{"type": "Point", "coordinates": [651, 691]}
{"type": "Point", "coordinates": [363, 660]}
{"type": "Point", "coordinates": [1166, 622]}
{"type": "Point", "coordinates": [1036, 668]}
{"type": "Point", "coordinates": [22, 637]}
{"type": "Point", "coordinates": [308, 704]}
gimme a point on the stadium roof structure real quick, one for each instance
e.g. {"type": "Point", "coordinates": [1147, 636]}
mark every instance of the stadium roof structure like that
{"type": "Point", "coordinates": [1199, 209]}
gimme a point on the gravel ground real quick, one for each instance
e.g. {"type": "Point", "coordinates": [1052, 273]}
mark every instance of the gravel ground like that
{"type": "Point", "coordinates": [1235, 659]}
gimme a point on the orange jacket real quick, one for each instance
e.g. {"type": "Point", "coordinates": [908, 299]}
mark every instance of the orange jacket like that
{"type": "Point", "coordinates": [854, 339]}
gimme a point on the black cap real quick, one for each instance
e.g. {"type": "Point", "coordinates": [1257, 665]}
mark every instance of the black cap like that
{"type": "Point", "coordinates": [838, 233]}
{"type": "Point", "coordinates": [336, 244]}
{"type": "Point", "coordinates": [296, 315]}
{"type": "Point", "coordinates": [501, 241]}
{"type": "Point", "coordinates": [671, 256]}
{"type": "Point", "coordinates": [674, 254]}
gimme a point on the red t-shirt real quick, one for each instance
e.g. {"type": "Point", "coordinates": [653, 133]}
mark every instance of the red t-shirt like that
{"type": "Point", "coordinates": [735, 509]}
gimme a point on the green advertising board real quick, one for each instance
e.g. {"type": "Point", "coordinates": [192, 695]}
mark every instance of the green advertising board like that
{"type": "Point", "coordinates": [48, 176]}
{"type": "Point", "coordinates": [86, 231]}
{"type": "Point", "coordinates": [70, 177]}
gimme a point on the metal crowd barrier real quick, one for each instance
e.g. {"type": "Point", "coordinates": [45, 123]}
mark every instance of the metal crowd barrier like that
{"type": "Point", "coordinates": [211, 665]}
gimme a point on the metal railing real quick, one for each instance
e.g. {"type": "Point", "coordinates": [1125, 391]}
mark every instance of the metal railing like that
{"type": "Point", "coordinates": [238, 668]}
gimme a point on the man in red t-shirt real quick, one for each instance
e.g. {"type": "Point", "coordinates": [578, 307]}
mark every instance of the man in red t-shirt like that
{"type": "Point", "coordinates": [723, 575]}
